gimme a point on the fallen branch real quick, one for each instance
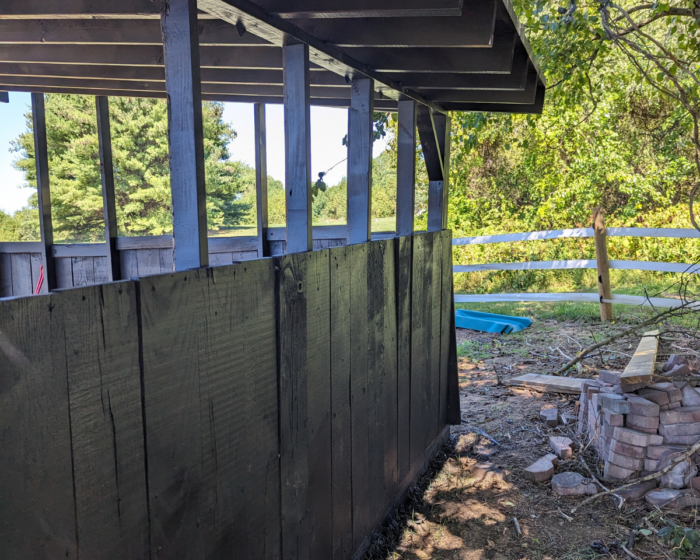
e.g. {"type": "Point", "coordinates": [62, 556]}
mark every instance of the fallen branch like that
{"type": "Point", "coordinates": [629, 553]}
{"type": "Point", "coordinates": [517, 526]}
{"type": "Point", "coordinates": [484, 434]}
{"type": "Point", "coordinates": [684, 456]}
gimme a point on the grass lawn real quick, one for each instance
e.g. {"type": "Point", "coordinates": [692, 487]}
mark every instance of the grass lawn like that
{"type": "Point", "coordinates": [378, 224]}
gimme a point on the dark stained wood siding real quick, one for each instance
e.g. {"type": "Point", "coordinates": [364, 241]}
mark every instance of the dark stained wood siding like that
{"type": "Point", "coordinates": [270, 409]}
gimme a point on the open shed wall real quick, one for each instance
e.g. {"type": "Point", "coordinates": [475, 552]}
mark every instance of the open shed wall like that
{"type": "Point", "coordinates": [276, 408]}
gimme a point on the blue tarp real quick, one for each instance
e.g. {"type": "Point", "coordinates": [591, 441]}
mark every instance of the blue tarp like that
{"type": "Point", "coordinates": [490, 322]}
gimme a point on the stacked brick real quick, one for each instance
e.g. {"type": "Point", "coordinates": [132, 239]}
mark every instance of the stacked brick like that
{"type": "Point", "coordinates": [638, 432]}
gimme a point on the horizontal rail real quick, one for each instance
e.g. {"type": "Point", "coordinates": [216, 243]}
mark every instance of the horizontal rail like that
{"type": "Point", "coordinates": [677, 233]}
{"type": "Point", "coordinates": [575, 297]}
{"type": "Point", "coordinates": [579, 264]}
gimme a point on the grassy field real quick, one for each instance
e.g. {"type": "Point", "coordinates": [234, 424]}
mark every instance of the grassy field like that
{"type": "Point", "coordinates": [378, 224]}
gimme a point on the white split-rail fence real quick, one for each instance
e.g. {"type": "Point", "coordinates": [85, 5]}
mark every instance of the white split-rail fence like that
{"type": "Point", "coordinates": [677, 233]}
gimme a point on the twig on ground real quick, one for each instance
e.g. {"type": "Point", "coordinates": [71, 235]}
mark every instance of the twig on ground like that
{"type": "Point", "coordinates": [682, 457]}
{"type": "Point", "coordinates": [580, 346]}
{"type": "Point", "coordinates": [561, 352]}
{"type": "Point", "coordinates": [686, 349]}
{"type": "Point", "coordinates": [484, 434]}
{"type": "Point", "coordinates": [629, 553]}
{"type": "Point", "coordinates": [565, 516]}
{"type": "Point", "coordinates": [517, 526]}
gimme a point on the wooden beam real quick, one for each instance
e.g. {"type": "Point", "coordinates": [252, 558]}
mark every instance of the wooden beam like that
{"type": "Point", "coordinates": [297, 140]}
{"type": "Point", "coordinates": [104, 135]}
{"type": "Point", "coordinates": [438, 191]}
{"type": "Point", "coordinates": [136, 9]}
{"type": "Point", "coordinates": [185, 134]}
{"type": "Point", "coordinates": [115, 31]}
{"type": "Point", "coordinates": [41, 158]}
{"type": "Point", "coordinates": [602, 264]}
{"type": "Point", "coordinates": [261, 179]}
{"type": "Point", "coordinates": [406, 168]}
{"type": "Point", "coordinates": [4, 97]}
{"type": "Point", "coordinates": [360, 140]}
{"type": "Point", "coordinates": [534, 108]}
{"type": "Point", "coordinates": [429, 143]}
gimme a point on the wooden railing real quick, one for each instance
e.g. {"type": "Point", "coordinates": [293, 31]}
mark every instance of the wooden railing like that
{"type": "Point", "coordinates": [680, 268]}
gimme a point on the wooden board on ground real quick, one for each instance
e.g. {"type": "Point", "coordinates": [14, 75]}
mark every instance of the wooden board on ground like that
{"type": "Point", "coordinates": [641, 367]}
{"type": "Point", "coordinates": [547, 383]}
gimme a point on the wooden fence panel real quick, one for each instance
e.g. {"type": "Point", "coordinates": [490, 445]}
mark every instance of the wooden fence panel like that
{"type": "Point", "coordinates": [341, 453]}
{"type": "Point", "coordinates": [211, 412]}
{"type": "Point", "coordinates": [359, 398]}
{"type": "Point", "coordinates": [403, 247]}
{"type": "Point", "coordinates": [5, 275]}
{"type": "Point", "coordinates": [37, 512]}
{"type": "Point", "coordinates": [435, 306]}
{"type": "Point", "coordinates": [21, 274]}
{"type": "Point", "coordinates": [446, 320]}
{"type": "Point", "coordinates": [319, 404]}
{"type": "Point", "coordinates": [64, 272]}
{"type": "Point", "coordinates": [104, 388]}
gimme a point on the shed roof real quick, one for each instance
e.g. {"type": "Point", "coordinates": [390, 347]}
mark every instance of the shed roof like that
{"type": "Point", "coordinates": [467, 55]}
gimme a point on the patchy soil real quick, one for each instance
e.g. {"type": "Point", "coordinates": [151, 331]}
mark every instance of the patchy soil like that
{"type": "Point", "coordinates": [453, 516]}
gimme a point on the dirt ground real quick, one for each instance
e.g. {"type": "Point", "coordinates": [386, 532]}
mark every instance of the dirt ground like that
{"type": "Point", "coordinates": [453, 516]}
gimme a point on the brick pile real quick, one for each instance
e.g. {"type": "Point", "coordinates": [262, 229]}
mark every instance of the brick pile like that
{"type": "Point", "coordinates": [639, 431]}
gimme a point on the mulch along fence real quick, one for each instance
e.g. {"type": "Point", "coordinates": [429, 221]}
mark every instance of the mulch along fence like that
{"type": "Point", "coordinates": [276, 408]}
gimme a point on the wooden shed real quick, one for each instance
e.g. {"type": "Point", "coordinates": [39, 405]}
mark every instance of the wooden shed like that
{"type": "Point", "coordinates": [266, 397]}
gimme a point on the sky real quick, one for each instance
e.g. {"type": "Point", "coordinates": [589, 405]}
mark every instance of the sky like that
{"type": "Point", "coordinates": [328, 127]}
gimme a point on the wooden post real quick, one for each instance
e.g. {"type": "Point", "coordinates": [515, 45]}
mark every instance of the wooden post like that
{"type": "Point", "coordinates": [4, 97]}
{"type": "Point", "coordinates": [406, 168]}
{"type": "Point", "coordinates": [41, 157]}
{"type": "Point", "coordinates": [297, 144]}
{"type": "Point", "coordinates": [438, 191]}
{"type": "Point", "coordinates": [360, 140]}
{"type": "Point", "coordinates": [108, 199]}
{"type": "Point", "coordinates": [601, 254]}
{"type": "Point", "coordinates": [185, 133]}
{"type": "Point", "coordinates": [261, 179]}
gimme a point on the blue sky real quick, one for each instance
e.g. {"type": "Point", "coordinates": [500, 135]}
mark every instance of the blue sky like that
{"type": "Point", "coordinates": [328, 127]}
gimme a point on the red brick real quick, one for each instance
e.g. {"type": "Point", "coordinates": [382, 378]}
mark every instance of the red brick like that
{"type": "Point", "coordinates": [542, 469]}
{"type": "Point", "coordinates": [609, 376]}
{"type": "Point", "coordinates": [612, 419]}
{"type": "Point", "coordinates": [627, 449]}
{"type": "Point", "coordinates": [659, 451]}
{"type": "Point", "coordinates": [573, 484]}
{"type": "Point", "coordinates": [658, 397]}
{"type": "Point", "coordinates": [624, 461]}
{"type": "Point", "coordinates": [561, 447]}
{"type": "Point", "coordinates": [646, 422]}
{"type": "Point", "coordinates": [643, 407]}
{"type": "Point", "coordinates": [681, 440]}
{"type": "Point", "coordinates": [656, 440]}
{"type": "Point", "coordinates": [613, 471]}
{"type": "Point", "coordinates": [636, 491]}
{"type": "Point", "coordinates": [632, 437]}
{"type": "Point", "coordinates": [679, 429]}
{"type": "Point", "coordinates": [682, 415]}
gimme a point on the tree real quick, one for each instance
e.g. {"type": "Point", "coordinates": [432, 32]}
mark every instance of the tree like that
{"type": "Point", "coordinates": [141, 165]}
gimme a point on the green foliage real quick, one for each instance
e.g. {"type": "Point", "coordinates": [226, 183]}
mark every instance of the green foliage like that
{"type": "Point", "coordinates": [141, 162]}
{"type": "Point", "coordinates": [684, 541]}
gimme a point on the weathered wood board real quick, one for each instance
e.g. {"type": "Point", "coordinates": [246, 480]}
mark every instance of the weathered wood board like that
{"type": "Point", "coordinates": [211, 411]}
{"type": "Point", "coordinates": [640, 368]}
{"type": "Point", "coordinates": [547, 383]}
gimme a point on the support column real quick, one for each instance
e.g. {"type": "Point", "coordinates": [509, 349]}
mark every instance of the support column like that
{"type": "Point", "coordinates": [108, 198]}
{"type": "Point", "coordinates": [4, 97]}
{"type": "Point", "coordinates": [297, 144]}
{"type": "Point", "coordinates": [261, 179]}
{"type": "Point", "coordinates": [406, 168]}
{"type": "Point", "coordinates": [185, 132]}
{"type": "Point", "coordinates": [434, 132]}
{"type": "Point", "coordinates": [41, 157]}
{"type": "Point", "coordinates": [360, 140]}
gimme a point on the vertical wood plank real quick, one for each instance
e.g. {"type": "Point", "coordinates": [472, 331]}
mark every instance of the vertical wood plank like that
{"type": "Point", "coordinates": [166, 260]}
{"type": "Point", "coordinates": [359, 397]}
{"type": "Point", "coordinates": [435, 287]}
{"type": "Point", "coordinates": [211, 412]}
{"type": "Point", "coordinates": [101, 327]}
{"type": "Point", "coordinates": [341, 453]}
{"type": "Point", "coordinates": [360, 140]}
{"type": "Point", "coordinates": [432, 156]}
{"type": "Point", "coordinates": [42, 186]}
{"type": "Point", "coordinates": [83, 271]}
{"type": "Point", "coordinates": [406, 168]}
{"type": "Point", "coordinates": [109, 203]}
{"type": "Point", "coordinates": [446, 317]}
{"type": "Point", "coordinates": [297, 143]}
{"type": "Point", "coordinates": [404, 273]}
{"type": "Point", "coordinates": [420, 346]}
{"type": "Point", "coordinates": [5, 275]}
{"type": "Point", "coordinates": [221, 259]}
{"type": "Point", "coordinates": [185, 133]}
{"type": "Point", "coordinates": [261, 178]}
{"type": "Point", "coordinates": [319, 406]}
{"type": "Point", "coordinates": [99, 266]}
{"type": "Point", "coordinates": [37, 511]}
{"type": "Point", "coordinates": [294, 285]}
{"type": "Point", "coordinates": [21, 274]}
{"type": "Point", "coordinates": [64, 272]}
{"type": "Point", "coordinates": [129, 263]}
{"type": "Point", "coordinates": [149, 261]}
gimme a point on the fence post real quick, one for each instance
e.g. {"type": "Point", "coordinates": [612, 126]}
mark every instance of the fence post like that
{"type": "Point", "coordinates": [601, 254]}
